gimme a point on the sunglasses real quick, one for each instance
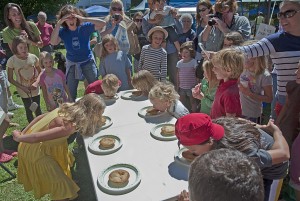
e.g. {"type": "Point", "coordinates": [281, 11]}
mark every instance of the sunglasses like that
{"type": "Point", "coordinates": [138, 20]}
{"type": "Point", "coordinates": [202, 10]}
{"type": "Point", "coordinates": [287, 14]}
{"type": "Point", "coordinates": [116, 9]}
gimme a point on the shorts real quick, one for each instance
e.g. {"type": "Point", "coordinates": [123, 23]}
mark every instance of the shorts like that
{"type": "Point", "coordinates": [185, 92]}
{"type": "Point", "coordinates": [172, 34]}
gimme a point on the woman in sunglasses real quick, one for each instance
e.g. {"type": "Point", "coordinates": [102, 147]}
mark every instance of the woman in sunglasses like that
{"type": "Point", "coordinates": [224, 21]}
{"type": "Point", "coordinates": [283, 48]}
{"type": "Point", "coordinates": [138, 31]}
{"type": "Point", "coordinates": [121, 27]}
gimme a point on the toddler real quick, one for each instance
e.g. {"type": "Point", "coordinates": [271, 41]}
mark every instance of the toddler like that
{"type": "Point", "coordinates": [164, 98]}
{"type": "Point", "coordinates": [186, 78]}
{"type": "Point", "coordinates": [228, 66]}
{"type": "Point", "coordinates": [25, 67]}
{"type": "Point", "coordinates": [114, 61]}
{"type": "Point", "coordinates": [153, 56]}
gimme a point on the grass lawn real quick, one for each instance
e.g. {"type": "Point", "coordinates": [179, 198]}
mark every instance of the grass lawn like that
{"type": "Point", "coordinates": [10, 189]}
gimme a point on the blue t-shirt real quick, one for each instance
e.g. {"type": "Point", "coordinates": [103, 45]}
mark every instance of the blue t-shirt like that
{"type": "Point", "coordinates": [77, 43]}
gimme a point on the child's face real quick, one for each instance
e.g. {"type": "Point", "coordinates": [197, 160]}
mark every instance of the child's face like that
{"type": "Point", "coordinates": [159, 104]}
{"type": "Point", "coordinates": [227, 43]}
{"type": "Point", "coordinates": [249, 64]}
{"type": "Point", "coordinates": [109, 92]}
{"type": "Point", "coordinates": [110, 47]}
{"type": "Point", "coordinates": [186, 55]}
{"type": "Point", "coordinates": [159, 5]}
{"type": "Point", "coordinates": [71, 22]}
{"type": "Point", "coordinates": [22, 50]}
{"type": "Point", "coordinates": [221, 74]}
{"type": "Point", "coordinates": [199, 149]}
{"type": "Point", "coordinates": [157, 39]}
{"type": "Point", "coordinates": [48, 63]}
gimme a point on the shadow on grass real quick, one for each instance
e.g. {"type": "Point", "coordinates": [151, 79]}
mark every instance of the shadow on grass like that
{"type": "Point", "coordinates": [82, 175]}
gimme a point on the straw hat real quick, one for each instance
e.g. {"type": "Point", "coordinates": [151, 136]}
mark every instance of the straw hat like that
{"type": "Point", "coordinates": [158, 28]}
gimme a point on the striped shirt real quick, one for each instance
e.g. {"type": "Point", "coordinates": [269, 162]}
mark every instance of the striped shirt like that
{"type": "Point", "coordinates": [186, 74]}
{"type": "Point", "coordinates": [154, 61]}
{"type": "Point", "coordinates": [284, 50]}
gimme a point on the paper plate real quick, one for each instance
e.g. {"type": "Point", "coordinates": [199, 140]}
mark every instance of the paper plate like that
{"type": "Point", "coordinates": [134, 179]}
{"type": "Point", "coordinates": [127, 95]}
{"type": "Point", "coordinates": [95, 148]}
{"type": "Point", "coordinates": [143, 113]}
{"type": "Point", "coordinates": [109, 100]}
{"type": "Point", "coordinates": [108, 123]}
{"type": "Point", "coordinates": [179, 158]}
{"type": "Point", "coordinates": [156, 133]}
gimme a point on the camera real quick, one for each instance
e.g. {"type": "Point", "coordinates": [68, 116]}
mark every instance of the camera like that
{"type": "Point", "coordinates": [212, 22]}
{"type": "Point", "coordinates": [116, 17]}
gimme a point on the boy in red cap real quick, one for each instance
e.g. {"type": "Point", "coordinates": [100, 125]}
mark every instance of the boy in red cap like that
{"type": "Point", "coordinates": [199, 134]}
{"type": "Point", "coordinates": [228, 66]}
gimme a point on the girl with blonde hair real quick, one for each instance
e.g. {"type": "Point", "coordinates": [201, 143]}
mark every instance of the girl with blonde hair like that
{"type": "Point", "coordinates": [164, 98]}
{"type": "Point", "coordinates": [255, 87]}
{"type": "Point", "coordinates": [44, 160]}
{"type": "Point", "coordinates": [143, 81]}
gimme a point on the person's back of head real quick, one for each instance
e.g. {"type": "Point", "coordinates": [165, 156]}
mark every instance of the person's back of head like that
{"type": "Point", "coordinates": [164, 91]}
{"type": "Point", "coordinates": [225, 175]}
{"type": "Point", "coordinates": [110, 85]}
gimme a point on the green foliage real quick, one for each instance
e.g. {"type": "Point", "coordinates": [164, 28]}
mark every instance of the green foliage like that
{"type": "Point", "coordinates": [34, 6]}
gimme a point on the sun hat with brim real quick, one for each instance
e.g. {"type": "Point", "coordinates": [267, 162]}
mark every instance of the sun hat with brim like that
{"type": "Point", "coordinates": [196, 128]}
{"type": "Point", "coordinates": [158, 28]}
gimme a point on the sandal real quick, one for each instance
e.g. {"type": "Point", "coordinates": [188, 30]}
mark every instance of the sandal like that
{"type": "Point", "coordinates": [10, 152]}
{"type": "Point", "coordinates": [4, 158]}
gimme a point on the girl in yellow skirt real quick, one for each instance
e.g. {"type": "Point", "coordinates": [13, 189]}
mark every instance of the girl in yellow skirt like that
{"type": "Point", "coordinates": [44, 159]}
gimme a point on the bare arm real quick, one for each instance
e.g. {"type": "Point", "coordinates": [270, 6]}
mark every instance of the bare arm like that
{"type": "Point", "coordinates": [99, 24]}
{"type": "Point", "coordinates": [283, 111]}
{"type": "Point", "coordinates": [68, 92]}
{"type": "Point", "coordinates": [51, 134]}
{"type": "Point", "coordinates": [267, 97]}
{"type": "Point", "coordinates": [205, 33]}
{"type": "Point", "coordinates": [33, 122]}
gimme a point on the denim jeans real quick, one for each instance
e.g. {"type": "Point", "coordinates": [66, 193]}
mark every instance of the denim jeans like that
{"type": "Point", "coordinates": [273, 103]}
{"type": "Point", "coordinates": [90, 72]}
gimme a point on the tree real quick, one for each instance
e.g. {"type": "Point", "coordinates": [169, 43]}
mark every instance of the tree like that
{"type": "Point", "coordinates": [30, 7]}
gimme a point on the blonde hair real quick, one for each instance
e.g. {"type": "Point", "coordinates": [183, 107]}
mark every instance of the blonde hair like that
{"type": "Point", "coordinates": [105, 40]}
{"type": "Point", "coordinates": [189, 47]}
{"type": "Point", "coordinates": [164, 92]}
{"type": "Point", "coordinates": [296, 2]}
{"type": "Point", "coordinates": [143, 81]}
{"type": "Point", "coordinates": [235, 37]}
{"type": "Point", "coordinates": [211, 76]}
{"type": "Point", "coordinates": [230, 60]}
{"type": "Point", "coordinates": [85, 114]}
{"type": "Point", "coordinates": [110, 84]}
{"type": "Point", "coordinates": [116, 2]}
{"type": "Point", "coordinates": [44, 55]}
{"type": "Point", "coordinates": [260, 63]}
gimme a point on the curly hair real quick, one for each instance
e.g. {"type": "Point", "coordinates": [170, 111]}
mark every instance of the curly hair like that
{"type": "Point", "coordinates": [84, 114]}
{"type": "Point", "coordinates": [230, 60]}
{"type": "Point", "coordinates": [164, 92]}
{"type": "Point", "coordinates": [143, 81]}
{"type": "Point", "coordinates": [189, 47]}
{"type": "Point", "coordinates": [240, 134]}
{"type": "Point", "coordinates": [220, 5]}
{"type": "Point", "coordinates": [110, 84]}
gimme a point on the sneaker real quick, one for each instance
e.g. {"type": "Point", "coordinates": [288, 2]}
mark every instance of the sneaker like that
{"type": "Point", "coordinates": [14, 106]}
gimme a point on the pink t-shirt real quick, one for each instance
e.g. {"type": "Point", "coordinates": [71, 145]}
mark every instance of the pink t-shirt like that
{"type": "Point", "coordinates": [55, 87]}
{"type": "Point", "coordinates": [46, 31]}
{"type": "Point", "coordinates": [187, 77]}
{"type": "Point", "coordinates": [227, 100]}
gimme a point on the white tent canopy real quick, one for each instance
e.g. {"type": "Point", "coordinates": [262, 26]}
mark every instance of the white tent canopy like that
{"type": "Point", "coordinates": [142, 6]}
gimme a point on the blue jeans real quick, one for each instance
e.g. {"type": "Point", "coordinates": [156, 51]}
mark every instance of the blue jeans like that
{"type": "Point", "coordinates": [273, 103]}
{"type": "Point", "coordinates": [90, 72]}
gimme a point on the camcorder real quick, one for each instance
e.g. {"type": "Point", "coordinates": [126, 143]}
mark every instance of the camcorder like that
{"type": "Point", "coordinates": [212, 22]}
{"type": "Point", "coordinates": [116, 17]}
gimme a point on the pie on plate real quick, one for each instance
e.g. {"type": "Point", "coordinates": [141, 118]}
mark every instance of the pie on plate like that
{"type": "Point", "coordinates": [107, 143]}
{"type": "Point", "coordinates": [168, 130]}
{"type": "Point", "coordinates": [118, 178]}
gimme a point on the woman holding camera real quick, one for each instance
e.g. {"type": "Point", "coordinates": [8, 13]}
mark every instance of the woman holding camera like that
{"type": "Point", "coordinates": [75, 33]}
{"type": "Point", "coordinates": [121, 27]}
{"type": "Point", "coordinates": [224, 21]}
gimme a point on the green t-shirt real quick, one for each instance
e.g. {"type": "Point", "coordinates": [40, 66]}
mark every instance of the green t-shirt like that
{"type": "Point", "coordinates": [9, 34]}
{"type": "Point", "coordinates": [208, 99]}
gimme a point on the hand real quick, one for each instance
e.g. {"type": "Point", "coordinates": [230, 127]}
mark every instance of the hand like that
{"type": "Point", "coordinates": [270, 127]}
{"type": "Point", "coordinates": [34, 86]}
{"type": "Point", "coordinates": [25, 89]}
{"type": "Point", "coordinates": [220, 24]}
{"type": "Point", "coordinates": [184, 196]}
{"type": "Point", "coordinates": [79, 17]}
{"type": "Point", "coordinates": [158, 18]}
{"type": "Point", "coordinates": [196, 92]}
{"type": "Point", "coordinates": [63, 19]}
{"type": "Point", "coordinates": [244, 90]}
{"type": "Point", "coordinates": [16, 135]}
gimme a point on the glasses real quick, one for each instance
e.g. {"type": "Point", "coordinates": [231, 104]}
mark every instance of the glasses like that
{"type": "Point", "coordinates": [287, 14]}
{"type": "Point", "coordinates": [116, 9]}
{"type": "Point", "coordinates": [138, 20]}
{"type": "Point", "coordinates": [202, 10]}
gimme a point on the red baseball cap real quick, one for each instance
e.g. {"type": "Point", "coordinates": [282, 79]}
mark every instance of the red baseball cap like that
{"type": "Point", "coordinates": [196, 128]}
